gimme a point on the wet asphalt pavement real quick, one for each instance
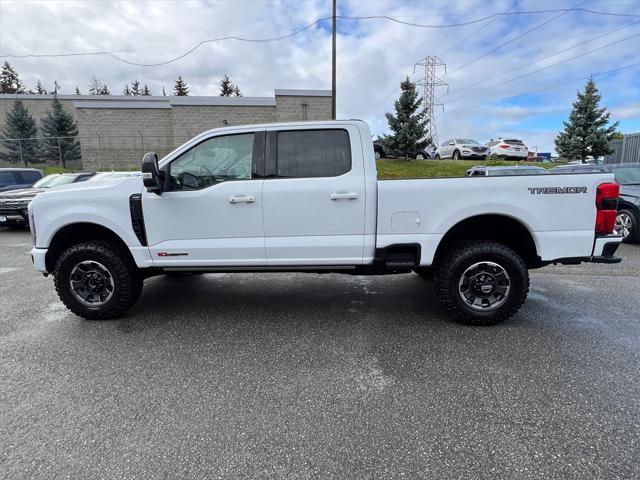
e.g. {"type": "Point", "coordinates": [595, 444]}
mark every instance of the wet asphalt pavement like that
{"type": "Point", "coordinates": [320, 376]}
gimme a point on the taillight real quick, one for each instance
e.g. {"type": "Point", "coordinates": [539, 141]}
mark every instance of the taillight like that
{"type": "Point", "coordinates": [607, 207]}
{"type": "Point", "coordinates": [504, 146]}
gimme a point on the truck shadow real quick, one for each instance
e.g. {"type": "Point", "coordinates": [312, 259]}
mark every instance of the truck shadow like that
{"type": "Point", "coordinates": [285, 298]}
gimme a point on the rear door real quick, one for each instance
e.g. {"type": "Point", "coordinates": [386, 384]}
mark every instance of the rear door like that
{"type": "Point", "coordinates": [314, 196]}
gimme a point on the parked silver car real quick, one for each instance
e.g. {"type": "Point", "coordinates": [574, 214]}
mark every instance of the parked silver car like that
{"type": "Point", "coordinates": [458, 148]}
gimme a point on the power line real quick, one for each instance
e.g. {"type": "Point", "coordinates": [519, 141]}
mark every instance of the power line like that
{"type": "Point", "coordinates": [550, 87]}
{"type": "Point", "coordinates": [545, 68]}
{"type": "Point", "coordinates": [540, 25]}
{"type": "Point", "coordinates": [519, 67]}
{"type": "Point", "coordinates": [309, 26]}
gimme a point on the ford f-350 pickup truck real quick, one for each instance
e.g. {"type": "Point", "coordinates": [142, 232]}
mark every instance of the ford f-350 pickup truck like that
{"type": "Point", "coordinates": [305, 197]}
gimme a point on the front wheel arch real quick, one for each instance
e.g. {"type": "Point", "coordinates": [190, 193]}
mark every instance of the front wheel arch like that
{"type": "Point", "coordinates": [75, 233]}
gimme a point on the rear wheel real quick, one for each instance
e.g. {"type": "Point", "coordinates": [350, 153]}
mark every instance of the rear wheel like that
{"type": "Point", "coordinates": [481, 282]}
{"type": "Point", "coordinates": [419, 156]}
{"type": "Point", "coordinates": [96, 280]}
{"type": "Point", "coordinates": [628, 225]}
{"type": "Point", "coordinates": [456, 155]}
{"type": "Point", "coordinates": [437, 157]}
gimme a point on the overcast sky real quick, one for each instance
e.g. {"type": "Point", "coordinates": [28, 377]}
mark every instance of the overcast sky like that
{"type": "Point", "coordinates": [373, 55]}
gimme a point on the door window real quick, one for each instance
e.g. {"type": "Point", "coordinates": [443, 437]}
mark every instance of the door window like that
{"type": "Point", "coordinates": [313, 153]}
{"type": "Point", "coordinates": [215, 160]}
{"type": "Point", "coordinates": [6, 179]}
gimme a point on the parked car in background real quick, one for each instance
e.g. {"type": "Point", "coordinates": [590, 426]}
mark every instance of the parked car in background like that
{"type": "Point", "coordinates": [481, 171]}
{"type": "Point", "coordinates": [423, 153]}
{"type": "Point", "coordinates": [508, 148]}
{"type": "Point", "coordinates": [536, 159]}
{"type": "Point", "coordinates": [458, 148]}
{"type": "Point", "coordinates": [14, 178]}
{"type": "Point", "coordinates": [13, 204]}
{"type": "Point", "coordinates": [627, 175]}
{"type": "Point", "coordinates": [378, 150]}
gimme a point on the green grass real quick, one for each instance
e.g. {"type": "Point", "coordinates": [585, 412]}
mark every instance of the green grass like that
{"type": "Point", "coordinates": [397, 168]}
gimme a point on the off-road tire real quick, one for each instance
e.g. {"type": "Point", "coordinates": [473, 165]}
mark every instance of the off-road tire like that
{"type": "Point", "coordinates": [451, 266]}
{"type": "Point", "coordinates": [126, 278]}
{"type": "Point", "coordinates": [634, 235]}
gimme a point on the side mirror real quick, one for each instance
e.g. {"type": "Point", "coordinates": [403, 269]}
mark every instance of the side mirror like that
{"type": "Point", "coordinates": [151, 176]}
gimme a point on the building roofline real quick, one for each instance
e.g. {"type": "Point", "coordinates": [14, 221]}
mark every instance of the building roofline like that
{"type": "Point", "coordinates": [290, 92]}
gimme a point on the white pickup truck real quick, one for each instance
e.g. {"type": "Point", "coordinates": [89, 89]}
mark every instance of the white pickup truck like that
{"type": "Point", "coordinates": [305, 197]}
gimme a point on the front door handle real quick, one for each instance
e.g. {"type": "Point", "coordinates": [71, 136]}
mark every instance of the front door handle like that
{"type": "Point", "coordinates": [242, 199]}
{"type": "Point", "coordinates": [344, 196]}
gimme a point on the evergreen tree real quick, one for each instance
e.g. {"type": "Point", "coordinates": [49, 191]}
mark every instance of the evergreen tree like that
{"type": "Point", "coordinates": [77, 92]}
{"type": "Point", "coordinates": [586, 133]}
{"type": "Point", "coordinates": [226, 86]}
{"type": "Point", "coordinates": [94, 86]}
{"type": "Point", "coordinates": [56, 87]}
{"type": "Point", "coordinates": [40, 90]}
{"type": "Point", "coordinates": [135, 88]}
{"type": "Point", "coordinates": [180, 88]}
{"type": "Point", "coordinates": [236, 91]}
{"type": "Point", "coordinates": [19, 123]}
{"type": "Point", "coordinates": [10, 81]}
{"type": "Point", "coordinates": [146, 91]}
{"type": "Point", "coordinates": [126, 90]}
{"type": "Point", "coordinates": [104, 90]}
{"type": "Point", "coordinates": [164, 94]}
{"type": "Point", "coordinates": [59, 129]}
{"type": "Point", "coordinates": [407, 125]}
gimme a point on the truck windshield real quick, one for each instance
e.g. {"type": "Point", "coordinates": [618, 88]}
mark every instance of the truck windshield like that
{"type": "Point", "coordinates": [54, 180]}
{"type": "Point", "coordinates": [627, 175]}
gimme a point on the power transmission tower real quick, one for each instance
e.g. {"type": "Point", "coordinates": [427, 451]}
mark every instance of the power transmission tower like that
{"type": "Point", "coordinates": [431, 80]}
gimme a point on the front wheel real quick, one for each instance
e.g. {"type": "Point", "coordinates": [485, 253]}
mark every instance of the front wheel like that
{"type": "Point", "coordinates": [96, 280]}
{"type": "Point", "coordinates": [456, 155]}
{"type": "Point", "coordinates": [420, 156]}
{"type": "Point", "coordinates": [481, 282]}
{"type": "Point", "coordinates": [437, 157]}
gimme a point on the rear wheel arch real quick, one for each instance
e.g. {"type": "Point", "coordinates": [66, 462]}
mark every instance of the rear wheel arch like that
{"type": "Point", "coordinates": [493, 227]}
{"type": "Point", "coordinates": [75, 233]}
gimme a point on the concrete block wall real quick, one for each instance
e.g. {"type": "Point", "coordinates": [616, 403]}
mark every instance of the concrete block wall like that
{"type": "Point", "coordinates": [115, 131]}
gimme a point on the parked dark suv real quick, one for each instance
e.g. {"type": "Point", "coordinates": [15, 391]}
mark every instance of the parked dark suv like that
{"type": "Point", "coordinates": [628, 177]}
{"type": "Point", "coordinates": [14, 203]}
{"type": "Point", "coordinates": [14, 178]}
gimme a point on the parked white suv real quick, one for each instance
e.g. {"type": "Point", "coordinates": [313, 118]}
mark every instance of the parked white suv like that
{"type": "Point", "coordinates": [458, 148]}
{"type": "Point", "coordinates": [508, 148]}
{"type": "Point", "coordinates": [305, 197]}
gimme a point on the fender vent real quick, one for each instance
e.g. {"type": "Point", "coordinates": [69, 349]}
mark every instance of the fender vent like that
{"type": "Point", "coordinates": [137, 219]}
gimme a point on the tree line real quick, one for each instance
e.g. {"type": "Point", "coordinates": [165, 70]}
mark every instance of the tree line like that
{"type": "Point", "coordinates": [10, 82]}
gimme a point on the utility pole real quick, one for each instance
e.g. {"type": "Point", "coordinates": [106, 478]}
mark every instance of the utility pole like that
{"type": "Point", "coordinates": [333, 65]}
{"type": "Point", "coordinates": [429, 82]}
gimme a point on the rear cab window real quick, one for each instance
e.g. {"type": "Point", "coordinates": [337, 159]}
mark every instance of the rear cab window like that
{"type": "Point", "coordinates": [312, 153]}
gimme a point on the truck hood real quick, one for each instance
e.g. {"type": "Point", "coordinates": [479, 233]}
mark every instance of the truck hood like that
{"type": "Point", "coordinates": [630, 191]}
{"type": "Point", "coordinates": [21, 193]}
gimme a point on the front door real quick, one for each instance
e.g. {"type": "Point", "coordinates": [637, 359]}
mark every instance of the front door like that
{"type": "Point", "coordinates": [314, 196]}
{"type": "Point", "coordinates": [210, 213]}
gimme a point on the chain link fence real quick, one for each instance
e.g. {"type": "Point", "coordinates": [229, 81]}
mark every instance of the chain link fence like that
{"type": "Point", "coordinates": [89, 152]}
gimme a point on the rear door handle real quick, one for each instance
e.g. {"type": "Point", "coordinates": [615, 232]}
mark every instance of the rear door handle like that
{"type": "Point", "coordinates": [242, 199]}
{"type": "Point", "coordinates": [344, 196]}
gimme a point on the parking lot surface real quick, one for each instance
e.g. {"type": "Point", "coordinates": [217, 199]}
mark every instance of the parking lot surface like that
{"type": "Point", "coordinates": [320, 376]}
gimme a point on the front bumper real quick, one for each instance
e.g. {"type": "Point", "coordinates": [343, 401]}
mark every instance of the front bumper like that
{"type": "Point", "coordinates": [38, 257]}
{"type": "Point", "coordinates": [14, 217]}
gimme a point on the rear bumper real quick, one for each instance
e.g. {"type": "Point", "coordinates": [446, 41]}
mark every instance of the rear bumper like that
{"type": "Point", "coordinates": [604, 249]}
